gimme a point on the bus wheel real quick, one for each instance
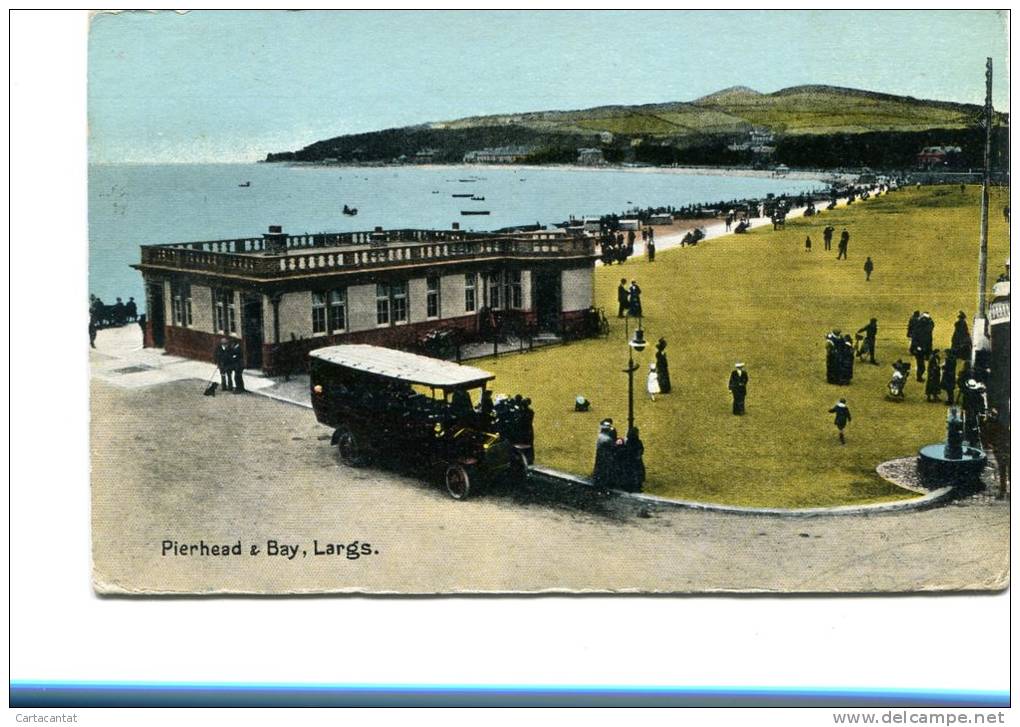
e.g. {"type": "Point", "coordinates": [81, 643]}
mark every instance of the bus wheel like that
{"type": "Point", "coordinates": [518, 472]}
{"type": "Point", "coordinates": [347, 448]}
{"type": "Point", "coordinates": [458, 481]}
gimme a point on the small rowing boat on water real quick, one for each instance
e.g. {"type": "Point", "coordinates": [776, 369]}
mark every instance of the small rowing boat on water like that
{"type": "Point", "coordinates": [474, 212]}
{"type": "Point", "coordinates": [467, 180]}
{"type": "Point", "coordinates": [469, 194]}
{"type": "Point", "coordinates": [478, 199]}
{"type": "Point", "coordinates": [244, 184]}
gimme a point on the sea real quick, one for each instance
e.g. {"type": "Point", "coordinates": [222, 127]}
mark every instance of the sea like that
{"type": "Point", "coordinates": [144, 204]}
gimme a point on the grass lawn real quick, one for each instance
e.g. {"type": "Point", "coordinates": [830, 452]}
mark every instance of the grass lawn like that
{"type": "Point", "coordinates": [760, 298]}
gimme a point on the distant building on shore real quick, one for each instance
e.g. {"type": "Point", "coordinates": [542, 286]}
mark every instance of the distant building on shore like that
{"type": "Point", "coordinates": [760, 141]}
{"type": "Point", "coordinates": [425, 156]}
{"type": "Point", "coordinates": [283, 295]}
{"type": "Point", "coordinates": [498, 155]}
{"type": "Point", "coordinates": [938, 156]}
{"type": "Point", "coordinates": [590, 157]}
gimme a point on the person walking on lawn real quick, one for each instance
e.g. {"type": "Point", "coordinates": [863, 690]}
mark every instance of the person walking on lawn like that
{"type": "Point", "coordinates": [738, 388]}
{"type": "Point", "coordinates": [844, 243]}
{"type": "Point", "coordinates": [869, 267]}
{"type": "Point", "coordinates": [842, 412]}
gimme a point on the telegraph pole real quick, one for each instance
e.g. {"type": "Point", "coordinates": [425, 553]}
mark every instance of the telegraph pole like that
{"type": "Point", "coordinates": [980, 338]}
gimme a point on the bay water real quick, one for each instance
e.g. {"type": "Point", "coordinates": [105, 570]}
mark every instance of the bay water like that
{"type": "Point", "coordinates": [143, 204]}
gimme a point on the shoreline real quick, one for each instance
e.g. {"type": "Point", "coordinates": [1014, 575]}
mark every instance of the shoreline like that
{"type": "Point", "coordinates": [820, 175]}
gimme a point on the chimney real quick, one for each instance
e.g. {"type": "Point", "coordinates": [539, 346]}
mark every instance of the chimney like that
{"type": "Point", "coordinates": [275, 240]}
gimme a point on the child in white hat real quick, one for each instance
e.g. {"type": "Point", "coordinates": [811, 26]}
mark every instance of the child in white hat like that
{"type": "Point", "coordinates": [653, 382]}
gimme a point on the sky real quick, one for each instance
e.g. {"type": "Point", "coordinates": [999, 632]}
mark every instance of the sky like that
{"type": "Point", "coordinates": [228, 86]}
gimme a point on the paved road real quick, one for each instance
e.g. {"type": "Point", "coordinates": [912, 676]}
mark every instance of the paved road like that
{"type": "Point", "coordinates": [170, 464]}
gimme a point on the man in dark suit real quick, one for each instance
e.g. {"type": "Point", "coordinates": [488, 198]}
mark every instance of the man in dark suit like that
{"type": "Point", "coordinates": [237, 366]}
{"type": "Point", "coordinates": [623, 298]}
{"type": "Point", "coordinates": [921, 342]}
{"type": "Point", "coordinates": [221, 357]}
{"type": "Point", "coordinates": [870, 332]}
{"type": "Point", "coordinates": [827, 236]}
{"type": "Point", "coordinates": [738, 387]}
{"type": "Point", "coordinates": [844, 243]}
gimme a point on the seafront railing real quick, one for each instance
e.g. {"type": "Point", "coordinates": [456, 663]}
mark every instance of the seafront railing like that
{"type": "Point", "coordinates": [219, 258]}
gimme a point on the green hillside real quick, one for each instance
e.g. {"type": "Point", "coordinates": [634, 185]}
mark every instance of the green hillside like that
{"type": "Point", "coordinates": [829, 110]}
{"type": "Point", "coordinates": [797, 110]}
{"type": "Point", "coordinates": [805, 120]}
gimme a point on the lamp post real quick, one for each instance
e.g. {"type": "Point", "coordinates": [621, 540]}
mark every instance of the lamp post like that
{"type": "Point", "coordinates": [638, 344]}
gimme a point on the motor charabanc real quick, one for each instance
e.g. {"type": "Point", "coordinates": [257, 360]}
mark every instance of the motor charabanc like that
{"type": "Point", "coordinates": [387, 405]}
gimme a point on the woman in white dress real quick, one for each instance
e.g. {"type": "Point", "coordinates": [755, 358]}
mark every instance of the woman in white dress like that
{"type": "Point", "coordinates": [653, 382]}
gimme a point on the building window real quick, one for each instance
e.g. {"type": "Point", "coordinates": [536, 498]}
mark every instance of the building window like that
{"type": "Point", "coordinates": [432, 296]}
{"type": "Point", "coordinates": [505, 289]}
{"type": "Point", "coordinates": [180, 294]}
{"type": "Point", "coordinates": [318, 313]}
{"type": "Point", "coordinates": [382, 304]}
{"type": "Point", "coordinates": [470, 288]}
{"type": "Point", "coordinates": [515, 297]}
{"type": "Point", "coordinates": [224, 311]}
{"type": "Point", "coordinates": [398, 291]}
{"type": "Point", "coordinates": [338, 310]}
{"type": "Point", "coordinates": [495, 283]}
{"type": "Point", "coordinates": [390, 303]}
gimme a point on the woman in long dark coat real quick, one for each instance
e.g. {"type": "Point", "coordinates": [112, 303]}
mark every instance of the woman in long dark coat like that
{"type": "Point", "coordinates": [949, 377]}
{"type": "Point", "coordinates": [606, 469]}
{"type": "Point", "coordinates": [634, 464]}
{"type": "Point", "coordinates": [832, 349]}
{"type": "Point", "coordinates": [662, 367]}
{"type": "Point", "coordinates": [933, 383]}
{"type": "Point", "coordinates": [961, 337]}
{"type": "Point", "coordinates": [845, 361]}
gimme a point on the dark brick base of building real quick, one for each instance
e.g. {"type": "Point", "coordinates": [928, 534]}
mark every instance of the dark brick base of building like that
{"type": "Point", "coordinates": [190, 343]}
{"type": "Point", "coordinates": [291, 357]}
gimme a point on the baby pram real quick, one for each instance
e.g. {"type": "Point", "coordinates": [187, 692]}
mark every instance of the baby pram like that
{"type": "Point", "coordinates": [901, 372]}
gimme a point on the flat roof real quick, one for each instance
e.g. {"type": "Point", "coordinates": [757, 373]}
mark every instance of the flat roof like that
{"type": "Point", "coordinates": [403, 366]}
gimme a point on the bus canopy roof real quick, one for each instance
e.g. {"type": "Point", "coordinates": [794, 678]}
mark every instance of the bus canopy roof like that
{"type": "Point", "coordinates": [403, 366]}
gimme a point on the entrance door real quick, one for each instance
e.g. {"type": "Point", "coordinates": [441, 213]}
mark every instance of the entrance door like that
{"type": "Point", "coordinates": [155, 308]}
{"type": "Point", "coordinates": [547, 299]}
{"type": "Point", "coordinates": [253, 331]}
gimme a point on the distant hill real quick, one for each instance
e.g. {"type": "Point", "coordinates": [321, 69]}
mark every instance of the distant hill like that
{"type": "Point", "coordinates": [664, 132]}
